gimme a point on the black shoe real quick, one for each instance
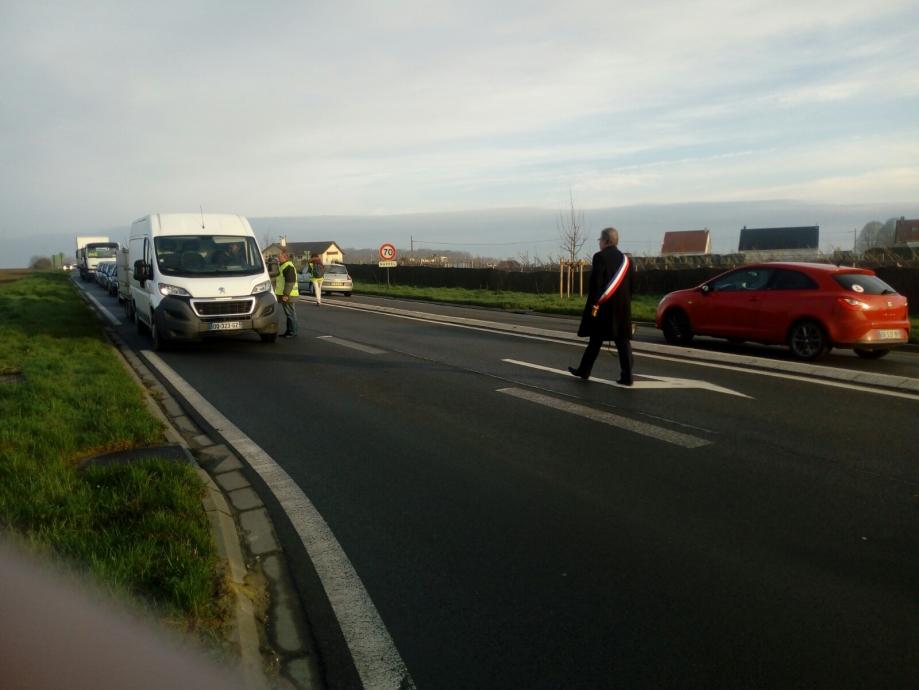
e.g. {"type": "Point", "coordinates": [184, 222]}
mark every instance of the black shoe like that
{"type": "Point", "coordinates": [282, 335]}
{"type": "Point", "coordinates": [624, 382]}
{"type": "Point", "coordinates": [289, 335]}
{"type": "Point", "coordinates": [577, 372]}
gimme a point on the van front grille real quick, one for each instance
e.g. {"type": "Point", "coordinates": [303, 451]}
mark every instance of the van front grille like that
{"type": "Point", "coordinates": [237, 307]}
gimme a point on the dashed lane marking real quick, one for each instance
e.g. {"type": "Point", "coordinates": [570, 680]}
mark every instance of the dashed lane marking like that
{"type": "Point", "coordinates": [353, 345]}
{"type": "Point", "coordinates": [650, 430]}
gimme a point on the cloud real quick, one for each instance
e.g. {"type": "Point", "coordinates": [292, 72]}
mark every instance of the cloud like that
{"type": "Point", "coordinates": [113, 109]}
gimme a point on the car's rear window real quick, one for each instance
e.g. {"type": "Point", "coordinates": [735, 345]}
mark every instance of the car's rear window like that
{"type": "Point", "coordinates": [863, 283]}
{"type": "Point", "coordinates": [334, 268]}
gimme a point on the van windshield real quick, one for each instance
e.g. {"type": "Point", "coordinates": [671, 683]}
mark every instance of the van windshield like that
{"type": "Point", "coordinates": [201, 255]}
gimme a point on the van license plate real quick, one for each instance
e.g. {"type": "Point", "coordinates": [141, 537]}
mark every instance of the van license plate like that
{"type": "Point", "coordinates": [889, 335]}
{"type": "Point", "coordinates": [224, 326]}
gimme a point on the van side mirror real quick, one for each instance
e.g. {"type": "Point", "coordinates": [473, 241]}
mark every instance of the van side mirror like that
{"type": "Point", "coordinates": [273, 268]}
{"type": "Point", "coordinates": [141, 272]}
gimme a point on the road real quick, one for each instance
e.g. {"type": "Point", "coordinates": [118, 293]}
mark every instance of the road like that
{"type": "Point", "coordinates": [515, 527]}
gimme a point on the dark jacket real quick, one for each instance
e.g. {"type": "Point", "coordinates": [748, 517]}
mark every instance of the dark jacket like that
{"type": "Point", "coordinates": [614, 320]}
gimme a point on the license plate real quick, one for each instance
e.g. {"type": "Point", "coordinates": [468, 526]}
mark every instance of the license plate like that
{"type": "Point", "coordinates": [889, 335]}
{"type": "Point", "coordinates": [224, 326]}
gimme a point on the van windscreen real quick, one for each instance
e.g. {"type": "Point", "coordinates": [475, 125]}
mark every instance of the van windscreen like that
{"type": "Point", "coordinates": [193, 255]}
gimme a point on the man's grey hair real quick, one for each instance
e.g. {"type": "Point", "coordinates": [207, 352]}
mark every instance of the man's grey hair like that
{"type": "Point", "coordinates": [611, 235]}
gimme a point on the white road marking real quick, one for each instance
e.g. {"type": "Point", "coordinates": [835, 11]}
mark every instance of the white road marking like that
{"type": "Point", "coordinates": [105, 312]}
{"type": "Point", "coordinates": [643, 428]}
{"type": "Point", "coordinates": [350, 343]}
{"type": "Point", "coordinates": [790, 377]}
{"type": "Point", "coordinates": [375, 655]}
{"type": "Point", "coordinates": [658, 382]}
{"type": "Point", "coordinates": [567, 339]}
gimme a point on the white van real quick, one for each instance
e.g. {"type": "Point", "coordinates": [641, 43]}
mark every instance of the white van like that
{"type": "Point", "coordinates": [194, 275]}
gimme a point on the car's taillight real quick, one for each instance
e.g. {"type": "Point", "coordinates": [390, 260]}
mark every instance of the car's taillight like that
{"type": "Point", "coordinates": [852, 303]}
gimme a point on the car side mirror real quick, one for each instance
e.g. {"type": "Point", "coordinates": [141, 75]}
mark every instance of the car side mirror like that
{"type": "Point", "coordinates": [705, 289]}
{"type": "Point", "coordinates": [141, 272]}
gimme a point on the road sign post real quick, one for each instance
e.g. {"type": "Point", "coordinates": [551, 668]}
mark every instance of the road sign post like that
{"type": "Point", "coordinates": [387, 258]}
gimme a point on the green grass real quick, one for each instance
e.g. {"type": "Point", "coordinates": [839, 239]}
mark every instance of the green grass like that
{"type": "Point", "coordinates": [643, 306]}
{"type": "Point", "coordinates": [140, 529]}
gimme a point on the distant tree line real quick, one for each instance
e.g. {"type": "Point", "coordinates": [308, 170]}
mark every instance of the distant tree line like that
{"type": "Point", "coordinates": [876, 234]}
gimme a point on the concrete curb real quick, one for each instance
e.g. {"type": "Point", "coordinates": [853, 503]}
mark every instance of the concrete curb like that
{"type": "Point", "coordinates": [246, 633]}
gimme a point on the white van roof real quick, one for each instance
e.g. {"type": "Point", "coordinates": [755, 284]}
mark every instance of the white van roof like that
{"type": "Point", "coordinates": [191, 224]}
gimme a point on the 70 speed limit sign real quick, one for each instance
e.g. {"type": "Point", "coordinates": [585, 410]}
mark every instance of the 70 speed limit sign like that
{"type": "Point", "coordinates": [387, 252]}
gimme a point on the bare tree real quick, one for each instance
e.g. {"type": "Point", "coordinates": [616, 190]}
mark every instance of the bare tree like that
{"type": "Point", "coordinates": [571, 231]}
{"type": "Point", "coordinates": [874, 234]}
{"type": "Point", "coordinates": [40, 263]}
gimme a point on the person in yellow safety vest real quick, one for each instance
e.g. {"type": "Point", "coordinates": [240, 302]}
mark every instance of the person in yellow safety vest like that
{"type": "Point", "coordinates": [285, 288]}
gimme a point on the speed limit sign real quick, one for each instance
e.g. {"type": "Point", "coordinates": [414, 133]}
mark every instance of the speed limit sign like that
{"type": "Point", "coordinates": [387, 252]}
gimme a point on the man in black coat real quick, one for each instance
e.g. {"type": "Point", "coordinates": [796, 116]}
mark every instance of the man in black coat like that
{"type": "Point", "coordinates": [608, 312]}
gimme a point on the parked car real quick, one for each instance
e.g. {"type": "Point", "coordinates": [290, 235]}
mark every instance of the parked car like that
{"type": "Point", "coordinates": [104, 272]}
{"type": "Point", "coordinates": [810, 307]}
{"type": "Point", "coordinates": [335, 279]}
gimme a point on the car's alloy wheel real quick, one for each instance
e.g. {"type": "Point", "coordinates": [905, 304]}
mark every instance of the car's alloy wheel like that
{"type": "Point", "coordinates": [807, 340]}
{"type": "Point", "coordinates": [677, 330]}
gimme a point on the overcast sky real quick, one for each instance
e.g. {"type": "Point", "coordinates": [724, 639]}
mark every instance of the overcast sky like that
{"type": "Point", "coordinates": [111, 110]}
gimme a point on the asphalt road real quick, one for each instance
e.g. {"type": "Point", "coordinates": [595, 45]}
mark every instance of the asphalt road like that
{"type": "Point", "coordinates": [519, 528]}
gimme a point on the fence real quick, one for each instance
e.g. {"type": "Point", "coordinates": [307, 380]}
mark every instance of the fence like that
{"type": "Point", "coordinates": [649, 280]}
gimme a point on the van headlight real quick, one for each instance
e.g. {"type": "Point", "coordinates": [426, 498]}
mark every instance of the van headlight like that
{"type": "Point", "coordinates": [264, 286]}
{"type": "Point", "coordinates": [174, 290]}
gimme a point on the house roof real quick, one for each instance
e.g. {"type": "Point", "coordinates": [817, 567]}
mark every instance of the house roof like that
{"type": "Point", "coordinates": [685, 242]}
{"type": "Point", "coordinates": [765, 239]}
{"type": "Point", "coordinates": [907, 231]}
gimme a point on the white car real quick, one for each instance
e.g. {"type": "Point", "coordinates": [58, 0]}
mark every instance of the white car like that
{"type": "Point", "coordinates": [335, 278]}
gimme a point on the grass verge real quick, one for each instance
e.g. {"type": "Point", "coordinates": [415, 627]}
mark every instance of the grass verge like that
{"type": "Point", "coordinates": [643, 306]}
{"type": "Point", "coordinates": [139, 529]}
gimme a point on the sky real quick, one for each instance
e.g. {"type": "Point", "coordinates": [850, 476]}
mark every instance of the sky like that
{"type": "Point", "coordinates": [112, 110]}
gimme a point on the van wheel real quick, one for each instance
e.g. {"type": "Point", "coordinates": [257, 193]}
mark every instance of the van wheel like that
{"type": "Point", "coordinates": [870, 354]}
{"type": "Point", "coordinates": [268, 337]}
{"type": "Point", "coordinates": [807, 340]}
{"type": "Point", "coordinates": [160, 343]}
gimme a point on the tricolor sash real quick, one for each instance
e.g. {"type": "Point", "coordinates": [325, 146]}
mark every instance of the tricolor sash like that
{"type": "Point", "coordinates": [613, 285]}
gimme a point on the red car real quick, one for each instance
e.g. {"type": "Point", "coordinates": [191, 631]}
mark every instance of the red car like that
{"type": "Point", "coordinates": [810, 307]}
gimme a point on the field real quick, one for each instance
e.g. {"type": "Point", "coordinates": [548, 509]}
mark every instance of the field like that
{"type": "Point", "coordinates": [643, 306]}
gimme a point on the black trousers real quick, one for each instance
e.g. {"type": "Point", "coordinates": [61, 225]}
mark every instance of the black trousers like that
{"type": "Point", "coordinates": [623, 347]}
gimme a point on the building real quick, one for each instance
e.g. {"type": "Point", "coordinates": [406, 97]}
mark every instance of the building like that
{"type": "Point", "coordinates": [328, 252]}
{"type": "Point", "coordinates": [780, 244]}
{"type": "Point", "coordinates": [906, 233]}
{"type": "Point", "coordinates": [687, 243]}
